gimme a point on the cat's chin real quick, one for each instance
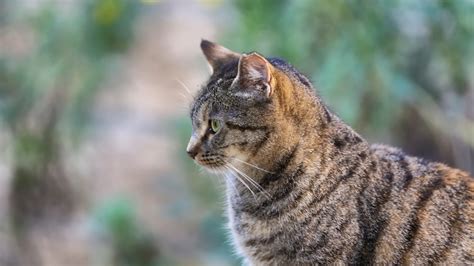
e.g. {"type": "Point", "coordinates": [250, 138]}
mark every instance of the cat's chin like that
{"type": "Point", "coordinates": [212, 168]}
{"type": "Point", "coordinates": [215, 169]}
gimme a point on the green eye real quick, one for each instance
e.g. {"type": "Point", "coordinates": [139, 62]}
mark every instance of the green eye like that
{"type": "Point", "coordinates": [215, 125]}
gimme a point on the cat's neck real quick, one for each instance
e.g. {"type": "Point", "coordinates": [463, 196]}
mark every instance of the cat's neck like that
{"type": "Point", "coordinates": [277, 167]}
{"type": "Point", "coordinates": [305, 133]}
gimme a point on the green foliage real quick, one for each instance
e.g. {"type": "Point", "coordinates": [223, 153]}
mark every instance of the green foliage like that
{"type": "Point", "coordinates": [108, 25]}
{"type": "Point", "coordinates": [32, 150]}
{"type": "Point", "coordinates": [132, 245]}
{"type": "Point", "coordinates": [73, 52]}
{"type": "Point", "coordinates": [368, 58]}
{"type": "Point", "coordinates": [45, 97]}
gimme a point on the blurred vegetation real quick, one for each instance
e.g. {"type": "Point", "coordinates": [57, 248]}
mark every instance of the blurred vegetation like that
{"type": "Point", "coordinates": [45, 97]}
{"type": "Point", "coordinates": [131, 245]}
{"type": "Point", "coordinates": [385, 67]}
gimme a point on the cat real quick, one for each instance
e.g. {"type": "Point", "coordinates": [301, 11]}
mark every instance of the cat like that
{"type": "Point", "coordinates": [303, 188]}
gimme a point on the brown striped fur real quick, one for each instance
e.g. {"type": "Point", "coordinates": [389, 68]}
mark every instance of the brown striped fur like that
{"type": "Point", "coordinates": [322, 194]}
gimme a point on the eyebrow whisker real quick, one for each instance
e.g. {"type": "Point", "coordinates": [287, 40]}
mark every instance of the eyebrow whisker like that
{"type": "Point", "coordinates": [184, 86]}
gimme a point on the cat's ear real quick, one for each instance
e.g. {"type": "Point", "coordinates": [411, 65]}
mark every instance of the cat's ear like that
{"type": "Point", "coordinates": [217, 55]}
{"type": "Point", "coordinates": [255, 74]}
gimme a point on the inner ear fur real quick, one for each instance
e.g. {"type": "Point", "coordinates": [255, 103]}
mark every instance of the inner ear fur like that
{"type": "Point", "coordinates": [255, 72]}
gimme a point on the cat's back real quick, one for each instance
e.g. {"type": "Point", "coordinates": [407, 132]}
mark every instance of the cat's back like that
{"type": "Point", "coordinates": [428, 213]}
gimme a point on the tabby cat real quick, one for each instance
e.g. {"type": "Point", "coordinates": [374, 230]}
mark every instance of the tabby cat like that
{"type": "Point", "coordinates": [303, 188]}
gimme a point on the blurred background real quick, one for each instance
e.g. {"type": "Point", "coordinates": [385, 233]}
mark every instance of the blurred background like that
{"type": "Point", "coordinates": [94, 99]}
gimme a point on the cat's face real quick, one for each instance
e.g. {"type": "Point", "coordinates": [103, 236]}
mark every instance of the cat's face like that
{"type": "Point", "coordinates": [232, 114]}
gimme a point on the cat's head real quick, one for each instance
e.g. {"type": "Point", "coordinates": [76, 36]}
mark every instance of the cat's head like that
{"type": "Point", "coordinates": [243, 110]}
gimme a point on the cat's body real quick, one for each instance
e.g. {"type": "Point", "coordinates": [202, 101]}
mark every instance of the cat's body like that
{"type": "Point", "coordinates": [322, 194]}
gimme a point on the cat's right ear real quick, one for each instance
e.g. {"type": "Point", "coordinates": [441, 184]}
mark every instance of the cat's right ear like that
{"type": "Point", "coordinates": [217, 55]}
{"type": "Point", "coordinates": [254, 75]}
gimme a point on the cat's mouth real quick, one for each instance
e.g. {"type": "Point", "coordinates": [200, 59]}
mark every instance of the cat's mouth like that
{"type": "Point", "coordinates": [212, 163]}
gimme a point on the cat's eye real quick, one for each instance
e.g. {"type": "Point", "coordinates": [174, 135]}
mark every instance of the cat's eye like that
{"type": "Point", "coordinates": [215, 125]}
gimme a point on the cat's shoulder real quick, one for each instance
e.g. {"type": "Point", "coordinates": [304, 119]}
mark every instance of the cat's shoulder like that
{"type": "Point", "coordinates": [387, 152]}
{"type": "Point", "coordinates": [421, 167]}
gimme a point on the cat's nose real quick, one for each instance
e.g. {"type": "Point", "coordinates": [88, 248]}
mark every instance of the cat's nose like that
{"type": "Point", "coordinates": [193, 148]}
{"type": "Point", "coordinates": [192, 152]}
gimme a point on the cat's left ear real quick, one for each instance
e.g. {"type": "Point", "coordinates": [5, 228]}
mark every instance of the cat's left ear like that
{"type": "Point", "coordinates": [255, 74]}
{"type": "Point", "coordinates": [217, 55]}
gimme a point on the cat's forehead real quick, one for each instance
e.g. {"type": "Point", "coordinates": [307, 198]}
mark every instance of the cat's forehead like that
{"type": "Point", "coordinates": [214, 93]}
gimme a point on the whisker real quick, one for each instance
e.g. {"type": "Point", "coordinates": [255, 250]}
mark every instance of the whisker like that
{"type": "Point", "coordinates": [245, 176]}
{"type": "Point", "coordinates": [234, 188]}
{"type": "Point", "coordinates": [184, 86]}
{"type": "Point", "coordinates": [240, 171]}
{"type": "Point", "coordinates": [252, 165]}
{"type": "Point", "coordinates": [251, 180]}
{"type": "Point", "coordinates": [241, 181]}
{"type": "Point", "coordinates": [185, 96]}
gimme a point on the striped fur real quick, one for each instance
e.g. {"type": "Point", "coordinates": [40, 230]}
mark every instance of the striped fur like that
{"type": "Point", "coordinates": [325, 195]}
